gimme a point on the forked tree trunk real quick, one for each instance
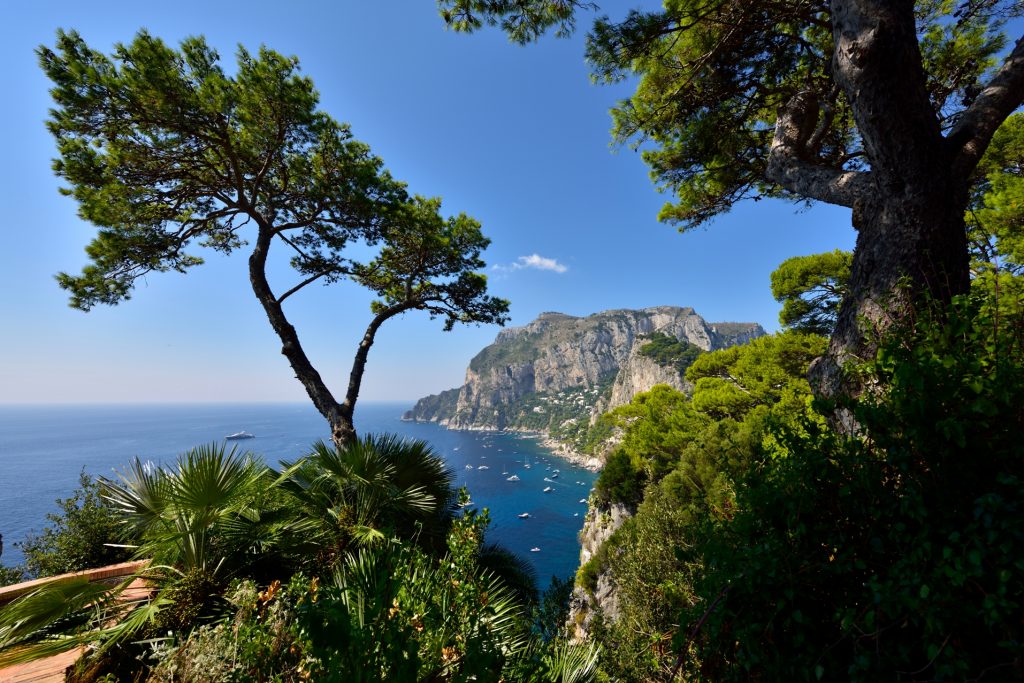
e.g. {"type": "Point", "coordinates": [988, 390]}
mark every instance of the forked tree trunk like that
{"type": "Point", "coordinates": [908, 204]}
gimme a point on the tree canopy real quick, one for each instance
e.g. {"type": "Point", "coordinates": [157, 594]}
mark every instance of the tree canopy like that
{"type": "Point", "coordinates": [164, 151]}
{"type": "Point", "coordinates": [883, 107]}
{"type": "Point", "coordinates": [810, 289]}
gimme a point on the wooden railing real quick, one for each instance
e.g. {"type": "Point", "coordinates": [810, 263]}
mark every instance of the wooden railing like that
{"type": "Point", "coordinates": [110, 573]}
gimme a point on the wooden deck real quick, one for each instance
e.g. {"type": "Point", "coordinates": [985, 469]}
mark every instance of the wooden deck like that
{"type": "Point", "coordinates": [51, 669]}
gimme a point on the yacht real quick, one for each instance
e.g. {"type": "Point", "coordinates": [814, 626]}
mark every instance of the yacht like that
{"type": "Point", "coordinates": [512, 478]}
{"type": "Point", "coordinates": [239, 435]}
{"type": "Point", "coordinates": [525, 515]}
{"type": "Point", "coordinates": [534, 550]}
{"type": "Point", "coordinates": [483, 467]}
{"type": "Point", "coordinates": [554, 475]}
{"type": "Point", "coordinates": [469, 467]}
{"type": "Point", "coordinates": [548, 489]}
{"type": "Point", "coordinates": [583, 500]}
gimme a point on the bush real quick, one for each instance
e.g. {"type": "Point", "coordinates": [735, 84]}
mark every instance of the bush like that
{"type": "Point", "coordinates": [895, 555]}
{"type": "Point", "coordinates": [79, 536]}
{"type": "Point", "coordinates": [619, 481]}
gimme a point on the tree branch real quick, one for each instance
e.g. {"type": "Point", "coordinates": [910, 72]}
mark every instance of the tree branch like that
{"type": "Point", "coordinates": [309, 280]}
{"type": "Point", "coordinates": [1004, 93]}
{"type": "Point", "coordinates": [788, 163]}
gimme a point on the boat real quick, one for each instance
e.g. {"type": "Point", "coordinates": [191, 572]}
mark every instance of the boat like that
{"type": "Point", "coordinates": [550, 481]}
{"type": "Point", "coordinates": [548, 489]}
{"type": "Point", "coordinates": [534, 550]}
{"type": "Point", "coordinates": [525, 515]}
{"type": "Point", "coordinates": [583, 500]}
{"type": "Point", "coordinates": [469, 467]}
{"type": "Point", "coordinates": [239, 435]}
{"type": "Point", "coordinates": [554, 475]}
{"type": "Point", "coordinates": [483, 467]}
{"type": "Point", "coordinates": [512, 478]}
{"type": "Point", "coordinates": [575, 514]}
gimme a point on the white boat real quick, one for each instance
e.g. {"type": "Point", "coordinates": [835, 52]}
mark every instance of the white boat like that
{"type": "Point", "coordinates": [239, 435]}
{"type": "Point", "coordinates": [575, 514]}
{"type": "Point", "coordinates": [548, 489]}
{"type": "Point", "coordinates": [525, 515]}
{"type": "Point", "coordinates": [583, 500]}
{"type": "Point", "coordinates": [534, 550]}
{"type": "Point", "coordinates": [512, 478]}
{"type": "Point", "coordinates": [469, 467]}
{"type": "Point", "coordinates": [483, 467]}
{"type": "Point", "coordinates": [554, 475]}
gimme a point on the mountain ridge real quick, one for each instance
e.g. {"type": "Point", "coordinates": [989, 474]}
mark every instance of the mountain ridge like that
{"type": "Point", "coordinates": [558, 373]}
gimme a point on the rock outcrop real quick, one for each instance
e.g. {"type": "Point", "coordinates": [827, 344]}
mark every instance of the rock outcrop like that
{"type": "Point", "coordinates": [560, 370]}
{"type": "Point", "coordinates": [602, 596]}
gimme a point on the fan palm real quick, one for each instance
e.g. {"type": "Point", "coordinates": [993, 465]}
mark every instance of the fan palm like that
{"type": "Point", "coordinates": [195, 521]}
{"type": "Point", "coordinates": [373, 487]}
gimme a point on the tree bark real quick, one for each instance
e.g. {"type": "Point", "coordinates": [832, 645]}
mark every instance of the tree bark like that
{"type": "Point", "coordinates": [347, 409]}
{"type": "Point", "coordinates": [911, 238]}
{"type": "Point", "coordinates": [340, 420]}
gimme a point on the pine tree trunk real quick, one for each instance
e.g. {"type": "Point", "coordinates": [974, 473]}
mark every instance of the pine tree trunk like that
{"type": "Point", "coordinates": [911, 248]}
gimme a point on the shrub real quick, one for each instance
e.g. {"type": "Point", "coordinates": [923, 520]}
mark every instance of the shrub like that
{"type": "Point", "coordinates": [893, 555]}
{"type": "Point", "coordinates": [79, 536]}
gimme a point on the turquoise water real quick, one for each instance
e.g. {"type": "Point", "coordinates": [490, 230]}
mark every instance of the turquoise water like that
{"type": "Point", "coordinates": [43, 448]}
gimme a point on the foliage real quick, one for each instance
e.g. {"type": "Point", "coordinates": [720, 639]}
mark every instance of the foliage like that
{"type": "Point", "coordinates": [997, 203]}
{"type": "Point", "coordinates": [713, 78]}
{"type": "Point", "coordinates": [365, 492]}
{"type": "Point", "coordinates": [685, 456]}
{"type": "Point", "coordinates": [552, 610]}
{"type": "Point", "coordinates": [892, 554]}
{"type": "Point", "coordinates": [390, 612]}
{"type": "Point", "coordinates": [619, 481]}
{"type": "Point", "coordinates": [665, 349]}
{"type": "Point", "coordinates": [12, 575]}
{"type": "Point", "coordinates": [522, 21]}
{"type": "Point", "coordinates": [83, 535]}
{"type": "Point", "coordinates": [364, 543]}
{"type": "Point", "coordinates": [810, 289]}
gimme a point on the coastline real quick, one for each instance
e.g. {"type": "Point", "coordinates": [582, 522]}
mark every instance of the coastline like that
{"type": "Point", "coordinates": [561, 450]}
{"type": "Point", "coordinates": [557, 448]}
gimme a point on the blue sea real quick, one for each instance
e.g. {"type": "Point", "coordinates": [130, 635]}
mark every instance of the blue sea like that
{"type": "Point", "coordinates": [43, 449]}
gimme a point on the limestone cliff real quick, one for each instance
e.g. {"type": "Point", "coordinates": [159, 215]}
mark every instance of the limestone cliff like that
{"type": "Point", "coordinates": [559, 371]}
{"type": "Point", "coordinates": [597, 594]}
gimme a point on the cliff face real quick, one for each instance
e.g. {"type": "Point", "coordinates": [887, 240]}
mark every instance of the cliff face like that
{"type": "Point", "coordinates": [560, 370]}
{"type": "Point", "coordinates": [602, 598]}
{"type": "Point", "coordinates": [638, 373]}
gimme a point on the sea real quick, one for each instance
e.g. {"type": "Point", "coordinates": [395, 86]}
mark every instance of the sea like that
{"type": "Point", "coordinates": [44, 448]}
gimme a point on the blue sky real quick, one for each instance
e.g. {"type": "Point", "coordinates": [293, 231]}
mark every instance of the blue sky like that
{"type": "Point", "coordinates": [516, 137]}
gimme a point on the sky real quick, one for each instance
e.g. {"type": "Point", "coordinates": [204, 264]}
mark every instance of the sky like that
{"type": "Point", "coordinates": [517, 137]}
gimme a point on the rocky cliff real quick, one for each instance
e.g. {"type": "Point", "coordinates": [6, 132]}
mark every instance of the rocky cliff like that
{"type": "Point", "coordinates": [558, 373]}
{"type": "Point", "coordinates": [600, 596]}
